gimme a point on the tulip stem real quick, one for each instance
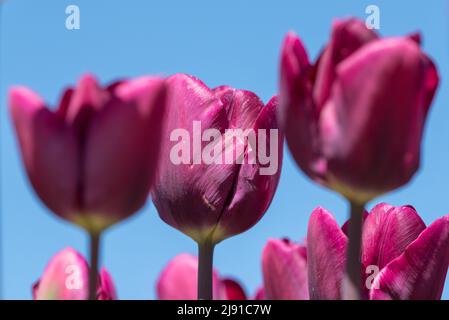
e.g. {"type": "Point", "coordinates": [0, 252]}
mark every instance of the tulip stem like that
{"type": "Point", "coordinates": [351, 287]}
{"type": "Point", "coordinates": [93, 271]}
{"type": "Point", "coordinates": [205, 270]}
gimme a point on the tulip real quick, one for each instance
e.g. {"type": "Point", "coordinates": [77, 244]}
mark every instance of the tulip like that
{"type": "Point", "coordinates": [284, 266]}
{"type": "Point", "coordinates": [354, 119]}
{"type": "Point", "coordinates": [401, 257]}
{"type": "Point", "coordinates": [211, 201]}
{"type": "Point", "coordinates": [66, 278]}
{"type": "Point", "coordinates": [178, 281]}
{"type": "Point", "coordinates": [92, 160]}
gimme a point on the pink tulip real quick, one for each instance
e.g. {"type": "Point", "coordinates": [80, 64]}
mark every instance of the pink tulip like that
{"type": "Point", "coordinates": [284, 266]}
{"type": "Point", "coordinates": [178, 281]}
{"type": "Point", "coordinates": [92, 160]}
{"type": "Point", "coordinates": [354, 119]}
{"type": "Point", "coordinates": [210, 201]}
{"type": "Point", "coordinates": [401, 257]}
{"type": "Point", "coordinates": [66, 278]}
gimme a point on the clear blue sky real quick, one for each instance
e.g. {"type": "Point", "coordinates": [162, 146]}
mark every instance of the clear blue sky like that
{"type": "Point", "coordinates": [233, 42]}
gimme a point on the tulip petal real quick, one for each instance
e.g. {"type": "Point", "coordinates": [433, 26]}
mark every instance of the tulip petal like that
{"type": "Point", "coordinates": [347, 37]}
{"type": "Point", "coordinates": [297, 113]}
{"type": "Point", "coordinates": [242, 107]}
{"type": "Point", "coordinates": [387, 232]}
{"type": "Point", "coordinates": [49, 150]}
{"type": "Point", "coordinates": [284, 266]}
{"type": "Point", "coordinates": [326, 249]}
{"type": "Point", "coordinates": [419, 273]}
{"type": "Point", "coordinates": [256, 184]}
{"type": "Point", "coordinates": [121, 154]}
{"type": "Point", "coordinates": [85, 99]}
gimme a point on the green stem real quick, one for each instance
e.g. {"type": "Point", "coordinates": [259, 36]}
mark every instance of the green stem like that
{"type": "Point", "coordinates": [93, 270]}
{"type": "Point", "coordinates": [205, 267]}
{"type": "Point", "coordinates": [351, 289]}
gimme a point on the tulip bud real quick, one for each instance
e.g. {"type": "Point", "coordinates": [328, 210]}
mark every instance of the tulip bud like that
{"type": "Point", "coordinates": [93, 159]}
{"type": "Point", "coordinates": [66, 278]}
{"type": "Point", "coordinates": [354, 119]}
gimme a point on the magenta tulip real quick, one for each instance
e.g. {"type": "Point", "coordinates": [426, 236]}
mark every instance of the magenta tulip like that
{"type": "Point", "coordinates": [354, 119]}
{"type": "Point", "coordinates": [284, 266]}
{"type": "Point", "coordinates": [213, 201]}
{"type": "Point", "coordinates": [178, 281]}
{"type": "Point", "coordinates": [92, 160]}
{"type": "Point", "coordinates": [401, 257]}
{"type": "Point", "coordinates": [66, 278]}
{"type": "Point", "coordinates": [198, 190]}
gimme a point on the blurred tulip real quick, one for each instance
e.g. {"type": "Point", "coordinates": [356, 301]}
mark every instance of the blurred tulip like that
{"type": "Point", "coordinates": [178, 281]}
{"type": "Point", "coordinates": [66, 278]}
{"type": "Point", "coordinates": [213, 201]}
{"type": "Point", "coordinates": [354, 119]}
{"type": "Point", "coordinates": [92, 160]}
{"type": "Point", "coordinates": [401, 257]}
{"type": "Point", "coordinates": [284, 266]}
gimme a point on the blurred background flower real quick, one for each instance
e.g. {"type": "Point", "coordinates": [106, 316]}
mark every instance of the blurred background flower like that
{"type": "Point", "coordinates": [92, 160]}
{"type": "Point", "coordinates": [66, 278]}
{"type": "Point", "coordinates": [178, 281]}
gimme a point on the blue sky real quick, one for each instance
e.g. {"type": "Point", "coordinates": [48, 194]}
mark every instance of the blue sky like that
{"type": "Point", "coordinates": [233, 42]}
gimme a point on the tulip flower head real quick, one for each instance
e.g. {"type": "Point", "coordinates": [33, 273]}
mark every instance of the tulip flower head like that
{"type": "Point", "coordinates": [213, 200]}
{"type": "Point", "coordinates": [66, 278]}
{"type": "Point", "coordinates": [92, 160]}
{"type": "Point", "coordinates": [354, 119]}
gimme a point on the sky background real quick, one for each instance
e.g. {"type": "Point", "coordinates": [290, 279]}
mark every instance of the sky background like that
{"type": "Point", "coordinates": [235, 43]}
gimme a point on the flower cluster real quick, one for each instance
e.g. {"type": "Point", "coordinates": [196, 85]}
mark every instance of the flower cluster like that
{"type": "Point", "coordinates": [210, 159]}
